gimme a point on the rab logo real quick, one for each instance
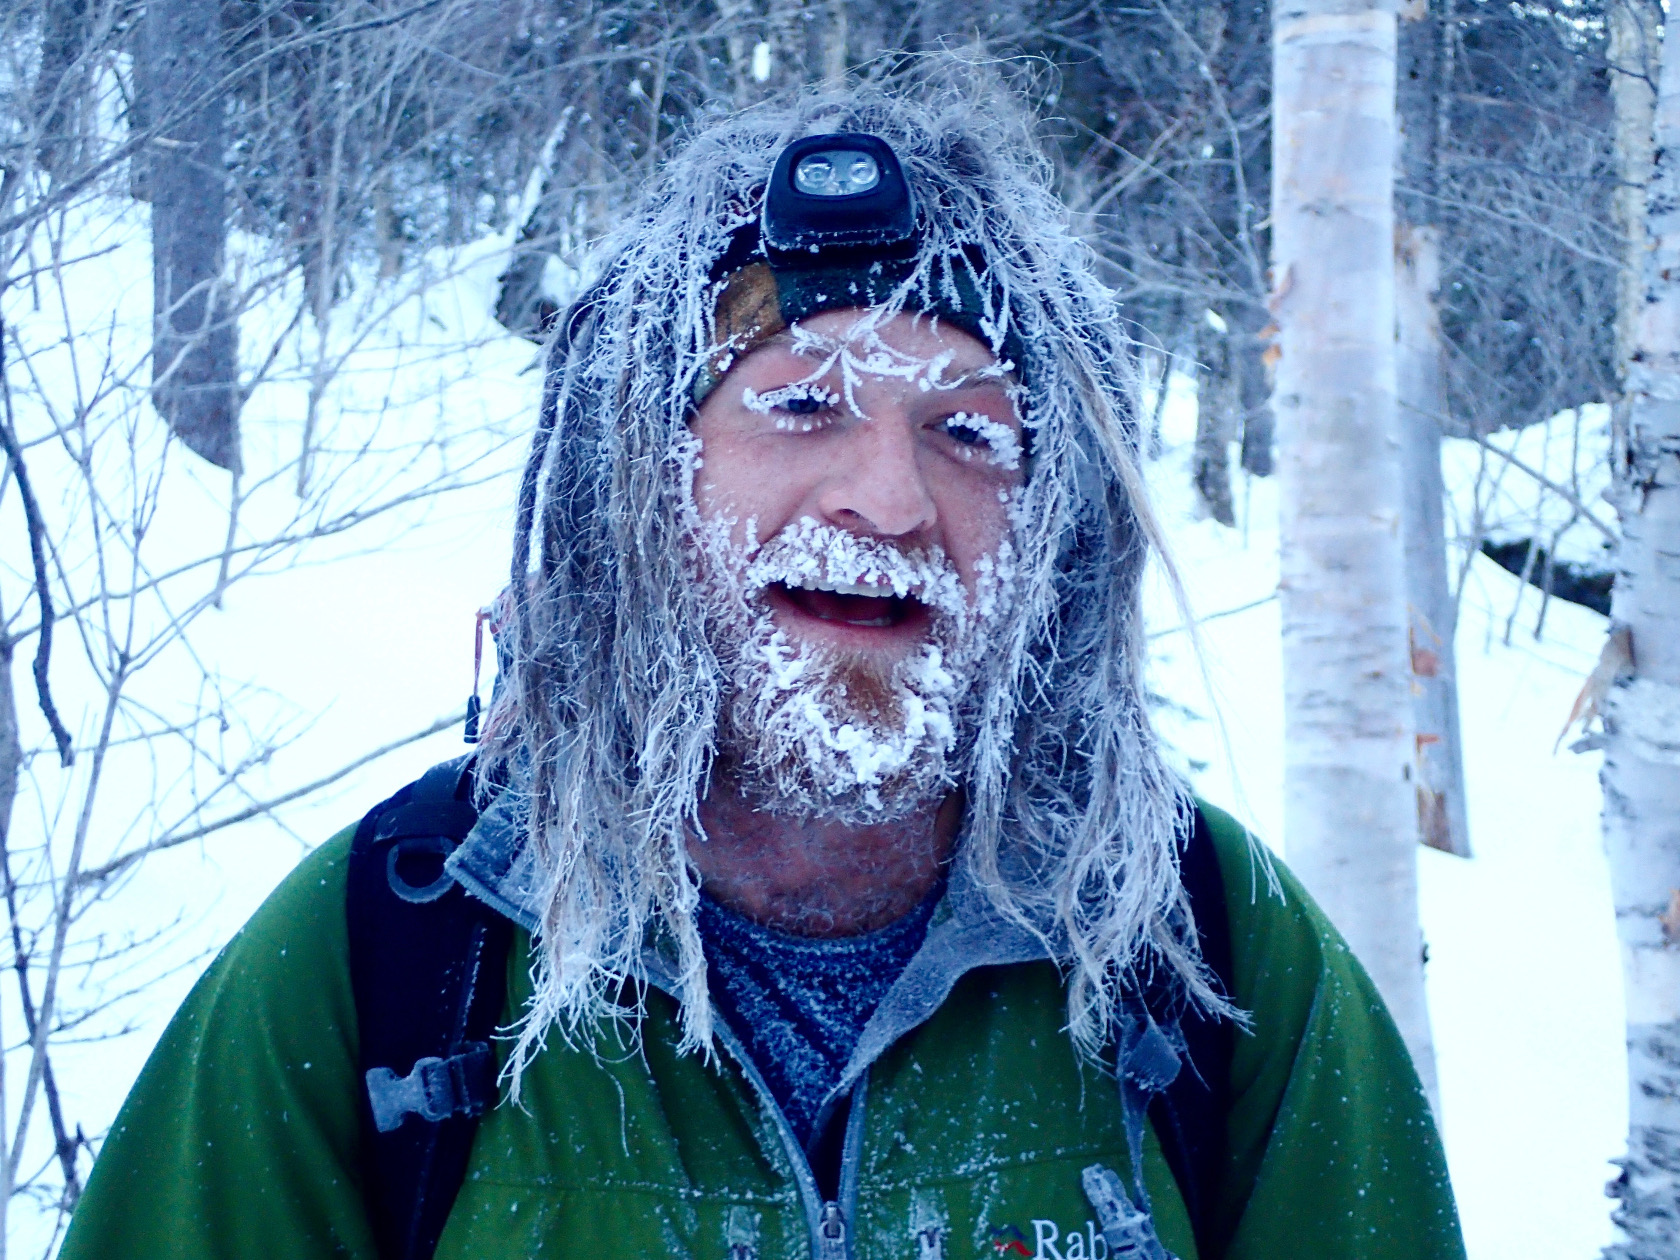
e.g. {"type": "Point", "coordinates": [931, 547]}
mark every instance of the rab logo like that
{"type": "Point", "coordinates": [1049, 1243]}
{"type": "Point", "coordinates": [1009, 1241]}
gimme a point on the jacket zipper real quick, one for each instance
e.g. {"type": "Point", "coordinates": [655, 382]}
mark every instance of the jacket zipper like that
{"type": "Point", "coordinates": [826, 1217]}
{"type": "Point", "coordinates": [831, 1224]}
{"type": "Point", "coordinates": [831, 1232]}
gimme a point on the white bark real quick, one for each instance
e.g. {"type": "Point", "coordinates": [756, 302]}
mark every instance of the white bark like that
{"type": "Point", "coordinates": [1634, 48]}
{"type": "Point", "coordinates": [1641, 775]}
{"type": "Point", "coordinates": [1350, 813]}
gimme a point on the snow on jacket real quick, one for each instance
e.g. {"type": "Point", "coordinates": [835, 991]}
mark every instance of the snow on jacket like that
{"type": "Point", "coordinates": [241, 1137]}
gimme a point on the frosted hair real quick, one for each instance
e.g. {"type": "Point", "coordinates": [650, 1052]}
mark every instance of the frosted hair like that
{"type": "Point", "coordinates": [609, 714]}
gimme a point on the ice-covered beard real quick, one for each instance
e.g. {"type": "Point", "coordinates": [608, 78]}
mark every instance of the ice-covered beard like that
{"type": "Point", "coordinates": [809, 731]}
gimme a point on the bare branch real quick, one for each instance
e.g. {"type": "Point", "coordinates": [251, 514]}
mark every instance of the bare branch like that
{"type": "Point", "coordinates": [1563, 492]}
{"type": "Point", "coordinates": [37, 553]}
{"type": "Point", "coordinates": [170, 840]}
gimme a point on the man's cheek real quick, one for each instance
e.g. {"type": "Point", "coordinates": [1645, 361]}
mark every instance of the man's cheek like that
{"type": "Point", "coordinates": [711, 501]}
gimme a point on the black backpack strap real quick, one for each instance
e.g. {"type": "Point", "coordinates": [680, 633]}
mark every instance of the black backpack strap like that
{"type": "Point", "coordinates": [428, 968]}
{"type": "Point", "coordinates": [1189, 1113]}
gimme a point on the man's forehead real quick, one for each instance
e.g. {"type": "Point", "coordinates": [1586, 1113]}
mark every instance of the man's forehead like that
{"type": "Point", "coordinates": [892, 343]}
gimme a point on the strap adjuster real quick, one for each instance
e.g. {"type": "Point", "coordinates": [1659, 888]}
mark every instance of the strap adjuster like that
{"type": "Point", "coordinates": [436, 1089]}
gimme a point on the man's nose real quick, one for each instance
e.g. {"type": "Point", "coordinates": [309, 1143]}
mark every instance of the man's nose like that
{"type": "Point", "coordinates": [876, 483]}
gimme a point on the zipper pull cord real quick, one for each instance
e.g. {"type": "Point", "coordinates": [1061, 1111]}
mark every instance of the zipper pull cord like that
{"type": "Point", "coordinates": [470, 734]}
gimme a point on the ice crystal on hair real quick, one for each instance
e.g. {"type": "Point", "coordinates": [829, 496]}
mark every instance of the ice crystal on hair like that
{"type": "Point", "coordinates": [616, 695]}
{"type": "Point", "coordinates": [807, 731]}
{"type": "Point", "coordinates": [809, 553]}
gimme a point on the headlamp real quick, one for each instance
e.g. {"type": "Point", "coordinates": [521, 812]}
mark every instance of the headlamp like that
{"type": "Point", "coordinates": [837, 196]}
{"type": "Point", "coordinates": [836, 173]}
{"type": "Point", "coordinates": [837, 230]}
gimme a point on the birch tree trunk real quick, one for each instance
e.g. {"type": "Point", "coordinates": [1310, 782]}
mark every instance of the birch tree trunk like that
{"type": "Point", "coordinates": [1641, 776]}
{"type": "Point", "coordinates": [1443, 822]}
{"type": "Point", "coordinates": [1350, 810]}
{"type": "Point", "coordinates": [1634, 49]}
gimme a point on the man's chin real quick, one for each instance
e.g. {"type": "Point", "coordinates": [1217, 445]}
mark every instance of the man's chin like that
{"type": "Point", "coordinates": [790, 791]}
{"type": "Point", "coordinates": [855, 763]}
{"type": "Point", "coordinates": [871, 692]}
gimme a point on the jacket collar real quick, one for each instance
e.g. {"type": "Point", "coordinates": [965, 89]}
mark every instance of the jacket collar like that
{"type": "Point", "coordinates": [496, 864]}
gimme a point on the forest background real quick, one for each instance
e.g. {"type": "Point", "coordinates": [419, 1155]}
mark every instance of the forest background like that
{"type": "Point", "coordinates": [273, 279]}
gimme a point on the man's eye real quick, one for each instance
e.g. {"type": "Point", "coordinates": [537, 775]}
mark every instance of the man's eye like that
{"type": "Point", "coordinates": [974, 429]}
{"type": "Point", "coordinates": [979, 432]}
{"type": "Point", "coordinates": [789, 400]}
{"type": "Point", "coordinates": [804, 404]}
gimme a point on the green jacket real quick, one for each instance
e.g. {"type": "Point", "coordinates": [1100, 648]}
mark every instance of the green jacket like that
{"type": "Point", "coordinates": [969, 1130]}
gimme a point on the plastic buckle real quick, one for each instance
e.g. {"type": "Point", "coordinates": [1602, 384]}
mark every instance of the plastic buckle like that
{"type": "Point", "coordinates": [436, 1089]}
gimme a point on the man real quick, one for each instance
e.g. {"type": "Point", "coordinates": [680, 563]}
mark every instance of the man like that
{"type": "Point", "coordinates": [854, 899]}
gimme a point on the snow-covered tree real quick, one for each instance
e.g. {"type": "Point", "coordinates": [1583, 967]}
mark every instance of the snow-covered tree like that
{"type": "Point", "coordinates": [1641, 708]}
{"type": "Point", "coordinates": [1350, 811]}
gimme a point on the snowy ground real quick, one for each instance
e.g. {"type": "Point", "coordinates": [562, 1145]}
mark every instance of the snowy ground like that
{"type": "Point", "coordinates": [372, 639]}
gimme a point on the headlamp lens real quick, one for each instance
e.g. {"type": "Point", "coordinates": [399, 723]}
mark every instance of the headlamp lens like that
{"type": "Point", "coordinates": [836, 173]}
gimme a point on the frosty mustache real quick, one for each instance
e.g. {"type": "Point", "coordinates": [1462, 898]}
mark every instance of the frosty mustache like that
{"type": "Point", "coordinates": [814, 556]}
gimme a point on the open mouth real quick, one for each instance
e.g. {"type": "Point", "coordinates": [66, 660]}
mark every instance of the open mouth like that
{"type": "Point", "coordinates": [851, 606]}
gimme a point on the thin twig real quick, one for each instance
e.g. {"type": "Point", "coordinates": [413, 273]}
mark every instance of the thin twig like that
{"type": "Point", "coordinates": [64, 913]}
{"type": "Point", "coordinates": [65, 1144]}
{"type": "Point", "coordinates": [1563, 492]}
{"type": "Point", "coordinates": [227, 547]}
{"type": "Point", "coordinates": [37, 553]}
{"type": "Point", "coordinates": [1202, 621]}
{"type": "Point", "coordinates": [95, 874]}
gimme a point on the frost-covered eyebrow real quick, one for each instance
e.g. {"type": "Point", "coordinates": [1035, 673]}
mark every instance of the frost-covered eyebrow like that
{"type": "Point", "coordinates": [993, 373]}
{"type": "Point", "coordinates": [809, 345]}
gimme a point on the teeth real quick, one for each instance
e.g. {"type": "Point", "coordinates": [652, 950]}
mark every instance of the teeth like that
{"type": "Point", "coordinates": [849, 588]}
